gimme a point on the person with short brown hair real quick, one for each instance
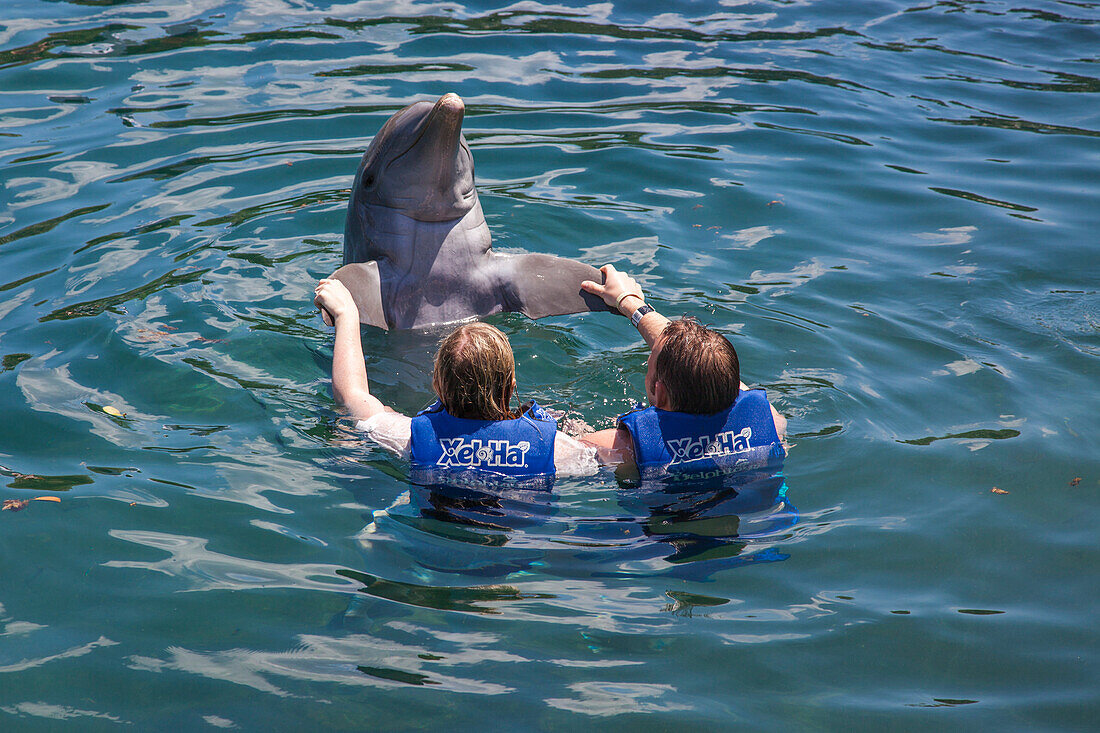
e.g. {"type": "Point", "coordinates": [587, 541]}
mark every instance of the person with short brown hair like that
{"type": "Point", "coordinates": [698, 367]}
{"type": "Point", "coordinates": [472, 425]}
{"type": "Point", "coordinates": [701, 416]}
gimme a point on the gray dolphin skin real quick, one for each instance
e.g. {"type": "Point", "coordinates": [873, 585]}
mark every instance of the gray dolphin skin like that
{"type": "Point", "coordinates": [417, 250]}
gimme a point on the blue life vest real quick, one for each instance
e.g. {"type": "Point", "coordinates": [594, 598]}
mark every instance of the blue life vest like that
{"type": "Point", "coordinates": [678, 446]}
{"type": "Point", "coordinates": [457, 451]}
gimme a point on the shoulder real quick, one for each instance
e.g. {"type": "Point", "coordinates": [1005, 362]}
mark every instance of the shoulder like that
{"type": "Point", "coordinates": [756, 394]}
{"type": "Point", "coordinates": [631, 419]}
{"type": "Point", "coordinates": [433, 409]}
{"type": "Point", "coordinates": [534, 412]}
{"type": "Point", "coordinates": [758, 398]}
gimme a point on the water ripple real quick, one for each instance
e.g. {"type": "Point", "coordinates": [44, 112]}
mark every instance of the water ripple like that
{"type": "Point", "coordinates": [889, 208]}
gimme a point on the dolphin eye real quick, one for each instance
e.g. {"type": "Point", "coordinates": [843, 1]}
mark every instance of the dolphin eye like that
{"type": "Point", "coordinates": [368, 180]}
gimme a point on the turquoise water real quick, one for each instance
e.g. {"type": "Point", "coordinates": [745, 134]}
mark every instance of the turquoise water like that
{"type": "Point", "coordinates": [891, 209]}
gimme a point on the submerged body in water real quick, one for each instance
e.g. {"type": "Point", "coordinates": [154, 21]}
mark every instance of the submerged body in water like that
{"type": "Point", "coordinates": [630, 527]}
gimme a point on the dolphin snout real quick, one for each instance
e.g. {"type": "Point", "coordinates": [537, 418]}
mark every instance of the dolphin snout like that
{"type": "Point", "coordinates": [449, 104]}
{"type": "Point", "coordinates": [442, 128]}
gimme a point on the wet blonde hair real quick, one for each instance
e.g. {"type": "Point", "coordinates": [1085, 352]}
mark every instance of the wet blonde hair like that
{"type": "Point", "coordinates": [475, 373]}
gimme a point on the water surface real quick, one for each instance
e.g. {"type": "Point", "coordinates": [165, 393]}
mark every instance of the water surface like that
{"type": "Point", "coordinates": [889, 207]}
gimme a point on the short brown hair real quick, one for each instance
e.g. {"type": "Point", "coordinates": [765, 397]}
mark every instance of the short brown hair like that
{"type": "Point", "coordinates": [698, 367]}
{"type": "Point", "coordinates": [475, 372]}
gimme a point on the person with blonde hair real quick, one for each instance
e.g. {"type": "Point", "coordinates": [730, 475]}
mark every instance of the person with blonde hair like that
{"type": "Point", "coordinates": [471, 426]}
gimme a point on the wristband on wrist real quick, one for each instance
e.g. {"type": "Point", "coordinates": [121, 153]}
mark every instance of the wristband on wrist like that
{"type": "Point", "coordinates": [619, 300]}
{"type": "Point", "coordinates": [636, 316]}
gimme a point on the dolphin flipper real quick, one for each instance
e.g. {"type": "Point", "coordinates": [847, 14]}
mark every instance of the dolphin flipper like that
{"type": "Point", "coordinates": [539, 285]}
{"type": "Point", "coordinates": [363, 282]}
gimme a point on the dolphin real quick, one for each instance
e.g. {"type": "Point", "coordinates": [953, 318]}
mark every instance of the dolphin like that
{"type": "Point", "coordinates": [417, 250]}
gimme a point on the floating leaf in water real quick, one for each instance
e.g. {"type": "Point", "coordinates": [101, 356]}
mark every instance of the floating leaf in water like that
{"type": "Point", "coordinates": [942, 702]}
{"type": "Point", "coordinates": [107, 410]}
{"type": "Point", "coordinates": [10, 361]}
{"type": "Point", "coordinates": [970, 435]}
{"type": "Point", "coordinates": [1075, 481]}
{"type": "Point", "coordinates": [999, 491]}
{"type": "Point", "coordinates": [112, 470]}
{"type": "Point", "coordinates": [145, 334]}
{"type": "Point", "coordinates": [33, 482]}
{"type": "Point", "coordinates": [695, 599]}
{"type": "Point", "coordinates": [397, 675]}
{"type": "Point", "coordinates": [17, 505]}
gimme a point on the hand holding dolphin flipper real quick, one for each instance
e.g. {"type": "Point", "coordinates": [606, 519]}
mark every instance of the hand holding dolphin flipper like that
{"type": "Point", "coordinates": [362, 281]}
{"type": "Point", "coordinates": [417, 249]}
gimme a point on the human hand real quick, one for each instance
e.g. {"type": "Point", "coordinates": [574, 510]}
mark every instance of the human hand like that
{"type": "Point", "coordinates": [333, 297]}
{"type": "Point", "coordinates": [616, 287]}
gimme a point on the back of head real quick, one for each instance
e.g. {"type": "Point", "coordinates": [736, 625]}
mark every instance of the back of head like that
{"type": "Point", "coordinates": [699, 368]}
{"type": "Point", "coordinates": [475, 373]}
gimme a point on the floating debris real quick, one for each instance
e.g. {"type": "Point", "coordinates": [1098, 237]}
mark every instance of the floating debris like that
{"type": "Point", "coordinates": [1075, 481]}
{"type": "Point", "coordinates": [18, 505]}
{"type": "Point", "coordinates": [113, 411]}
{"type": "Point", "coordinates": [969, 435]}
{"type": "Point", "coordinates": [941, 702]}
{"type": "Point", "coordinates": [998, 491]}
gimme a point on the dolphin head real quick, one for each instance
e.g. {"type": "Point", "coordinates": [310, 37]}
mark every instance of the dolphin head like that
{"type": "Point", "coordinates": [419, 164]}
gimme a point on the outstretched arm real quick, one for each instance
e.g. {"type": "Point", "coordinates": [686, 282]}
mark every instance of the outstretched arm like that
{"type": "Point", "coordinates": [349, 372]}
{"type": "Point", "coordinates": [621, 292]}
